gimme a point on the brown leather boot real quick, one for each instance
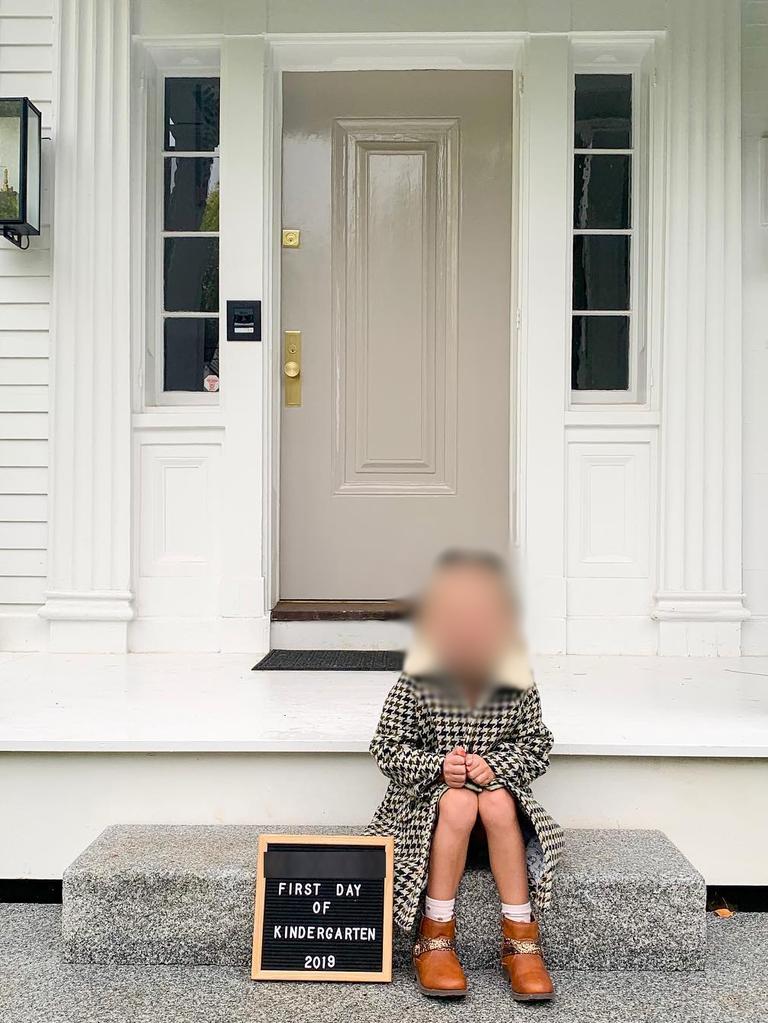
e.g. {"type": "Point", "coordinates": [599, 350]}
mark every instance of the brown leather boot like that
{"type": "Point", "coordinates": [438, 970]}
{"type": "Point", "coordinates": [523, 964]}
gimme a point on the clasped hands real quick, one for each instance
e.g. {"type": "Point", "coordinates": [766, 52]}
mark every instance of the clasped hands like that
{"type": "Point", "coordinates": [459, 766]}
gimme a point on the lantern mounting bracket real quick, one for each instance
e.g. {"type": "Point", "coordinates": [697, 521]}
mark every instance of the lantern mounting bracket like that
{"type": "Point", "coordinates": [15, 237]}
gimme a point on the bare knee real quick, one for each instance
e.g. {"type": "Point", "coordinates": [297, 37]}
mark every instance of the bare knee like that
{"type": "Point", "coordinates": [497, 809]}
{"type": "Point", "coordinates": [458, 809]}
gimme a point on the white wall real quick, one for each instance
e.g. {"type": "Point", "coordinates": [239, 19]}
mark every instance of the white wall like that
{"type": "Point", "coordinates": [755, 127]}
{"type": "Point", "coordinates": [55, 804]}
{"type": "Point", "coordinates": [232, 599]}
{"type": "Point", "coordinates": [26, 66]}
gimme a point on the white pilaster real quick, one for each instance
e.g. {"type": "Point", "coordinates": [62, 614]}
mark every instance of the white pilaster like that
{"type": "Point", "coordinates": [243, 607]}
{"type": "Point", "coordinates": [545, 236]}
{"type": "Point", "coordinates": [699, 603]}
{"type": "Point", "coordinates": [89, 600]}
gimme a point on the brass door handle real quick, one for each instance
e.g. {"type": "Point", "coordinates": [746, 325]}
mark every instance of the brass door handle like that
{"type": "Point", "coordinates": [292, 368]}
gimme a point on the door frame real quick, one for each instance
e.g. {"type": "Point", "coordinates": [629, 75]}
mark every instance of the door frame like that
{"type": "Point", "coordinates": [477, 51]}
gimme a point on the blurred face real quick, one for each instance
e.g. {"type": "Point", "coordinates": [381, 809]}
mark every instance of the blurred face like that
{"type": "Point", "coordinates": [467, 619]}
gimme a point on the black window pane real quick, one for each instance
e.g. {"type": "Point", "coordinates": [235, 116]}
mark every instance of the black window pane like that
{"type": "Point", "coordinates": [601, 271]}
{"type": "Point", "coordinates": [191, 355]}
{"type": "Point", "coordinates": [600, 353]}
{"type": "Point", "coordinates": [192, 275]}
{"type": "Point", "coordinates": [603, 112]}
{"type": "Point", "coordinates": [601, 192]}
{"type": "Point", "coordinates": [191, 193]}
{"type": "Point", "coordinates": [192, 114]}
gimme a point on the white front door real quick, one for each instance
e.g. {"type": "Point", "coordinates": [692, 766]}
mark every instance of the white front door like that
{"type": "Point", "coordinates": [400, 185]}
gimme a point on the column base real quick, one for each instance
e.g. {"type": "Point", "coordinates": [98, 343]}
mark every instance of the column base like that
{"type": "Point", "coordinates": [699, 624]}
{"type": "Point", "coordinates": [91, 622]}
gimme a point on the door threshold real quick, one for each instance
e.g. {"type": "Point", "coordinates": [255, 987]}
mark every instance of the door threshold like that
{"type": "Point", "coordinates": [341, 610]}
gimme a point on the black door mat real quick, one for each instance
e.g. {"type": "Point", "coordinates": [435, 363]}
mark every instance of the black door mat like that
{"type": "Point", "coordinates": [331, 660]}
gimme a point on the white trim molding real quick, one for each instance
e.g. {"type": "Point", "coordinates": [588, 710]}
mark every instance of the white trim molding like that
{"type": "Point", "coordinates": [88, 601]}
{"type": "Point", "coordinates": [699, 603]}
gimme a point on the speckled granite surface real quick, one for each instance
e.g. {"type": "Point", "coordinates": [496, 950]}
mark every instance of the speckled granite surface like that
{"type": "Point", "coordinates": [37, 986]}
{"type": "Point", "coordinates": [184, 895]}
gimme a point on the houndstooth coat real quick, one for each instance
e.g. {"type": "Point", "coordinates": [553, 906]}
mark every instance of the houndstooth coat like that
{"type": "Point", "coordinates": [419, 724]}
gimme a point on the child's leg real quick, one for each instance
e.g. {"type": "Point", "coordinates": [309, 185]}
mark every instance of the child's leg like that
{"type": "Point", "coordinates": [457, 813]}
{"type": "Point", "coordinates": [521, 955]}
{"type": "Point", "coordinates": [506, 847]}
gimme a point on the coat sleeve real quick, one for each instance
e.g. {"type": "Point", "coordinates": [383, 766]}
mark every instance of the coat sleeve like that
{"type": "Point", "coordinates": [397, 747]}
{"type": "Point", "coordinates": [525, 756]}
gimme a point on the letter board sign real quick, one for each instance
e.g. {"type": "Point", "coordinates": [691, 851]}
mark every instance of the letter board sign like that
{"type": "Point", "coordinates": [323, 908]}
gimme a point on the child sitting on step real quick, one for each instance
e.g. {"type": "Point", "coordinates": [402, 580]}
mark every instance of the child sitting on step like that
{"type": "Point", "coordinates": [461, 739]}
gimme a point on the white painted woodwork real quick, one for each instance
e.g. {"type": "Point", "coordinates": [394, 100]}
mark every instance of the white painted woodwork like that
{"type": "Point", "coordinates": [75, 796]}
{"type": "Point", "coordinates": [699, 603]}
{"type": "Point", "coordinates": [755, 317]}
{"type": "Point", "coordinates": [245, 271]}
{"type": "Point", "coordinates": [88, 601]}
{"type": "Point", "coordinates": [202, 739]}
{"type": "Point", "coordinates": [26, 64]}
{"type": "Point", "coordinates": [609, 504]}
{"type": "Point", "coordinates": [694, 572]}
{"type": "Point", "coordinates": [545, 207]}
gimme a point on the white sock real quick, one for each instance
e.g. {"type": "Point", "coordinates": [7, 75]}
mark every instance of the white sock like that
{"type": "Point", "coordinates": [439, 909]}
{"type": "Point", "coordinates": [521, 914]}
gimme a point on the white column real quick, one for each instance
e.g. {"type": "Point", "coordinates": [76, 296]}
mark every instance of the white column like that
{"type": "Point", "coordinates": [89, 600]}
{"type": "Point", "coordinates": [699, 604]}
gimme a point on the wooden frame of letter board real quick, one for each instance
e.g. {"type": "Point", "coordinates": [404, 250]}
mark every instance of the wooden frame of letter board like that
{"type": "Point", "coordinates": [385, 974]}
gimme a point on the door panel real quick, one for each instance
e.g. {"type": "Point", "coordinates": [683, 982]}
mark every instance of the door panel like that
{"type": "Point", "coordinates": [400, 183]}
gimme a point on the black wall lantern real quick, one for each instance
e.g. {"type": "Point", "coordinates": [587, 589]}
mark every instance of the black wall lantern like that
{"type": "Point", "coordinates": [20, 135]}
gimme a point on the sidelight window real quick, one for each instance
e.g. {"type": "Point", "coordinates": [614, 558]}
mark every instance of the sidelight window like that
{"type": "Point", "coordinates": [189, 234]}
{"type": "Point", "coordinates": [604, 322]}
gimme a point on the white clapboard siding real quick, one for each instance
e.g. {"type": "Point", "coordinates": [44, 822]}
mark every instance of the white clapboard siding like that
{"type": "Point", "coordinates": [26, 31]}
{"type": "Point", "coordinates": [24, 479]}
{"type": "Point", "coordinates": [23, 371]}
{"type": "Point", "coordinates": [27, 536]}
{"type": "Point", "coordinates": [16, 589]}
{"type": "Point", "coordinates": [35, 261]}
{"type": "Point", "coordinates": [27, 37]}
{"type": "Point", "coordinates": [23, 425]}
{"type": "Point", "coordinates": [23, 507]}
{"type": "Point", "coordinates": [24, 316]}
{"type": "Point", "coordinates": [24, 399]}
{"type": "Point", "coordinates": [23, 563]}
{"type": "Point", "coordinates": [36, 85]}
{"type": "Point", "coordinates": [24, 344]}
{"type": "Point", "coordinates": [24, 289]}
{"type": "Point", "coordinates": [31, 454]}
{"type": "Point", "coordinates": [24, 59]}
{"type": "Point", "coordinates": [27, 8]}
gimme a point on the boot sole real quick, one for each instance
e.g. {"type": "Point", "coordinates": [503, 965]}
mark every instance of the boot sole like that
{"type": "Point", "coordinates": [539, 996]}
{"type": "Point", "coordinates": [431, 992]}
{"type": "Point", "coordinates": [542, 997]}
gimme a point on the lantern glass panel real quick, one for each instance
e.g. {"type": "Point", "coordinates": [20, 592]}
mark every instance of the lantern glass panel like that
{"type": "Point", "coordinates": [33, 169]}
{"type": "Point", "coordinates": [10, 160]}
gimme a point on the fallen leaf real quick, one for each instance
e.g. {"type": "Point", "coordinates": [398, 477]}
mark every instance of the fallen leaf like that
{"type": "Point", "coordinates": [723, 912]}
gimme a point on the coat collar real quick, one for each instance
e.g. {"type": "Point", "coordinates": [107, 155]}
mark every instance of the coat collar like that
{"type": "Point", "coordinates": [512, 672]}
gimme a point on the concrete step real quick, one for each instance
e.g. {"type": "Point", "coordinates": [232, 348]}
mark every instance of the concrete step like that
{"type": "Point", "coordinates": [174, 894]}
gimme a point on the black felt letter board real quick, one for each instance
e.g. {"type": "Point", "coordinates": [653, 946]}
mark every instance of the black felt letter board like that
{"type": "Point", "coordinates": [323, 908]}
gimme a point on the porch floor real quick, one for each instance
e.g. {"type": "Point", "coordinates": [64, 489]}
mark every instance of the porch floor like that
{"type": "Point", "coordinates": [610, 706]}
{"type": "Point", "coordinates": [39, 987]}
